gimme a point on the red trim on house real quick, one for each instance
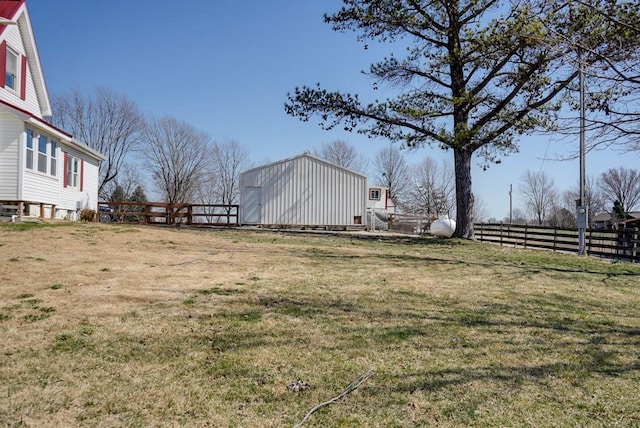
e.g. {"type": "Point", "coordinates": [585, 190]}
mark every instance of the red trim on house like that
{"type": "Point", "coordinates": [66, 167]}
{"type": "Point", "coordinates": [23, 78]}
{"type": "Point", "coordinates": [3, 63]}
{"type": "Point", "coordinates": [33, 116]}
{"type": "Point", "coordinates": [8, 9]}
{"type": "Point", "coordinates": [81, 174]}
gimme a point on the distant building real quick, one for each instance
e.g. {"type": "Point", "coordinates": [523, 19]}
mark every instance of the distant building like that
{"type": "Point", "coordinates": [44, 171]}
{"type": "Point", "coordinates": [380, 208]}
{"type": "Point", "coordinates": [379, 200]}
{"type": "Point", "coordinates": [606, 221]}
{"type": "Point", "coordinates": [303, 191]}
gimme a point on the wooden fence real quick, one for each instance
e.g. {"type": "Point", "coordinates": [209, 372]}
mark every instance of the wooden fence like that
{"type": "Point", "coordinates": [621, 244]}
{"type": "Point", "coordinates": [169, 214]}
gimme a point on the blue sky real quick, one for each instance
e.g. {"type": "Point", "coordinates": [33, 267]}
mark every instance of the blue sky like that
{"type": "Point", "coordinates": [226, 67]}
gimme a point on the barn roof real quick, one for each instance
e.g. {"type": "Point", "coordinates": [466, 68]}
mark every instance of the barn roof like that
{"type": "Point", "coordinates": [309, 156]}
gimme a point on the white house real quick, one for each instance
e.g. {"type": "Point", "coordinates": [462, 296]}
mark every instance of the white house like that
{"type": "Point", "coordinates": [380, 201]}
{"type": "Point", "coordinates": [303, 191]}
{"type": "Point", "coordinates": [44, 171]}
{"type": "Point", "coordinates": [380, 207]}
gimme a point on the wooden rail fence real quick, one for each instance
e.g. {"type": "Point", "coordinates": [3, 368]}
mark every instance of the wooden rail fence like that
{"type": "Point", "coordinates": [621, 244]}
{"type": "Point", "coordinates": [169, 214]}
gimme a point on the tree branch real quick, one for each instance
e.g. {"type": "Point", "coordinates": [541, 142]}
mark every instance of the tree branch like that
{"type": "Point", "coordinates": [352, 387]}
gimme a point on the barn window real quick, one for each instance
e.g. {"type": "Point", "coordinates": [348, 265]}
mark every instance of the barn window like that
{"type": "Point", "coordinates": [374, 194]}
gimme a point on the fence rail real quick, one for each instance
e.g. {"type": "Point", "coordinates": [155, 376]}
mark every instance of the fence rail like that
{"type": "Point", "coordinates": [621, 244]}
{"type": "Point", "coordinates": [169, 214]}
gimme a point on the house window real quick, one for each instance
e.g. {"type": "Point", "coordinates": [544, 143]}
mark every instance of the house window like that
{"type": "Point", "coordinates": [29, 158]}
{"type": "Point", "coordinates": [54, 162]}
{"type": "Point", "coordinates": [374, 194]}
{"type": "Point", "coordinates": [42, 154]}
{"type": "Point", "coordinates": [11, 80]}
{"type": "Point", "coordinates": [73, 172]}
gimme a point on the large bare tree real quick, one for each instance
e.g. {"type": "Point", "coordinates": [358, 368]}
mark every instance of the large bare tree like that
{"type": "Point", "coordinates": [539, 194]}
{"type": "Point", "coordinates": [228, 160]}
{"type": "Point", "coordinates": [473, 75]}
{"type": "Point", "coordinates": [104, 120]}
{"type": "Point", "coordinates": [623, 185]}
{"type": "Point", "coordinates": [432, 190]}
{"type": "Point", "coordinates": [612, 84]}
{"type": "Point", "coordinates": [342, 153]}
{"type": "Point", "coordinates": [391, 170]}
{"type": "Point", "coordinates": [177, 155]}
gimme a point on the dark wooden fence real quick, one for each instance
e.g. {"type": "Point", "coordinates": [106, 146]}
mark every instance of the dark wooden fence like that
{"type": "Point", "coordinates": [169, 214]}
{"type": "Point", "coordinates": [621, 244]}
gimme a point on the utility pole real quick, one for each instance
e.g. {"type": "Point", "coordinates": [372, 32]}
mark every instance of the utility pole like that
{"type": "Point", "coordinates": [510, 203]}
{"type": "Point", "coordinates": [581, 214]}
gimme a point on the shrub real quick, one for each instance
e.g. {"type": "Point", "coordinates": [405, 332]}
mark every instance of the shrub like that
{"type": "Point", "coordinates": [87, 215]}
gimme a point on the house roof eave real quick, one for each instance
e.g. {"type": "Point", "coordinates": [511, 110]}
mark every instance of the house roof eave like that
{"type": "Point", "coordinates": [19, 14]}
{"type": "Point", "coordinates": [64, 137]}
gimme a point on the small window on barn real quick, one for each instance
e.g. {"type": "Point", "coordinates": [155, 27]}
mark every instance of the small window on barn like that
{"type": "Point", "coordinates": [374, 194]}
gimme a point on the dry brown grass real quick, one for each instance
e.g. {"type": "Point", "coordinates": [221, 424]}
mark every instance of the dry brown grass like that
{"type": "Point", "coordinates": [108, 325]}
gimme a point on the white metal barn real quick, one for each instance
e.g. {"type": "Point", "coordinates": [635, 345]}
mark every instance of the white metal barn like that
{"type": "Point", "coordinates": [302, 191]}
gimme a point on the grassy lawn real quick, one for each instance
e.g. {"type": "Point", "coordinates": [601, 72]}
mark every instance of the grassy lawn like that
{"type": "Point", "coordinates": [110, 325]}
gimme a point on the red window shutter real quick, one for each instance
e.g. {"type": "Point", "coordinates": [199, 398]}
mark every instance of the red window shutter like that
{"type": "Point", "coordinates": [23, 78]}
{"type": "Point", "coordinates": [65, 175]}
{"type": "Point", "coordinates": [81, 174]}
{"type": "Point", "coordinates": [3, 64]}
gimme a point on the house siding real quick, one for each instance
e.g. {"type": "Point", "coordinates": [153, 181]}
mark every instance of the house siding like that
{"type": "Point", "coordinates": [78, 198]}
{"type": "Point", "coordinates": [11, 129]}
{"type": "Point", "coordinates": [307, 191]}
{"type": "Point", "coordinates": [14, 40]}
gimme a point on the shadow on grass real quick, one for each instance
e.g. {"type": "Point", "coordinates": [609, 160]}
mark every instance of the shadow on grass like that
{"type": "Point", "coordinates": [525, 266]}
{"type": "Point", "coordinates": [442, 379]}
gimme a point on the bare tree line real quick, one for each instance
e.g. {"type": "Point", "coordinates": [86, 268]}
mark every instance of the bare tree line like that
{"type": "Point", "coordinates": [616, 191]}
{"type": "Point", "coordinates": [185, 164]}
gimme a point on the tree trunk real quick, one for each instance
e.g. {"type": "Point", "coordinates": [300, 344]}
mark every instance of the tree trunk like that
{"type": "Point", "coordinates": [464, 193]}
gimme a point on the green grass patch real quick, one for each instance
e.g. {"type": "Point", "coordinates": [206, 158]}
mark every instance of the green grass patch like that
{"type": "Point", "coordinates": [35, 317]}
{"type": "Point", "coordinates": [24, 296]}
{"type": "Point", "coordinates": [69, 343]}
{"type": "Point", "coordinates": [218, 291]}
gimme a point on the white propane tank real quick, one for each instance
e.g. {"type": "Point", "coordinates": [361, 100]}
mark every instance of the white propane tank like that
{"type": "Point", "coordinates": [443, 228]}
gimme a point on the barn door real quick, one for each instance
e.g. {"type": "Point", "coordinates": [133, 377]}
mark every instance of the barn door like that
{"type": "Point", "coordinates": [253, 205]}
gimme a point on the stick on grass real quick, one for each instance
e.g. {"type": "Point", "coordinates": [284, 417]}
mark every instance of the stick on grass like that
{"type": "Point", "coordinates": [352, 387]}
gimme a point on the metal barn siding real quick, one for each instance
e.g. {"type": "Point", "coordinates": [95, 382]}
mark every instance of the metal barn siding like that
{"type": "Point", "coordinates": [303, 190]}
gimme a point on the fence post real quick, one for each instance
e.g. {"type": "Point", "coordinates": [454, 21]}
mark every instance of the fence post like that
{"type": "Point", "coordinates": [525, 235]}
{"type": "Point", "coordinates": [501, 224]}
{"type": "Point", "coordinates": [634, 250]}
{"type": "Point", "coordinates": [555, 238]}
